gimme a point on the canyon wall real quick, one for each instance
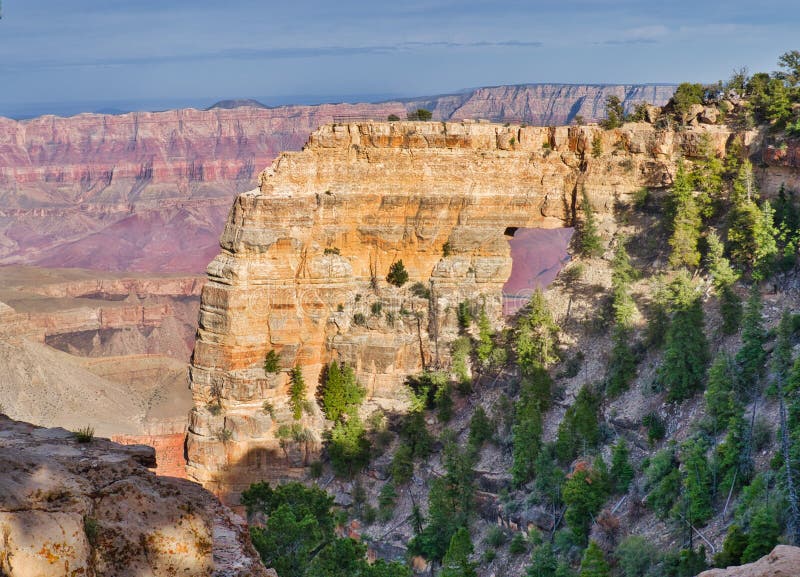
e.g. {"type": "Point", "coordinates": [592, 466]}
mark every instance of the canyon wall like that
{"type": "Point", "coordinates": [305, 257]}
{"type": "Point", "coordinates": [149, 191]}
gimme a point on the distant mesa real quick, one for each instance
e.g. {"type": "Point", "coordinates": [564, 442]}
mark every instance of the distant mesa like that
{"type": "Point", "coordinates": [237, 103]}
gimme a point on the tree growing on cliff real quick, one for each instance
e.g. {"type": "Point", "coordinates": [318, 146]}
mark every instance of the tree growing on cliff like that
{"type": "Point", "coordinates": [398, 275]}
{"type": "Point", "coordinates": [272, 363]}
{"type": "Point", "coordinates": [340, 393]}
{"type": "Point", "coordinates": [297, 392]}
{"type": "Point", "coordinates": [685, 222]}
{"type": "Point", "coordinates": [591, 245]}
{"type": "Point", "coordinates": [615, 114]}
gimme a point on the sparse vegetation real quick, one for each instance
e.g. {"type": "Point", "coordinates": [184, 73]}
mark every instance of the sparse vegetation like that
{"type": "Point", "coordinates": [84, 435]}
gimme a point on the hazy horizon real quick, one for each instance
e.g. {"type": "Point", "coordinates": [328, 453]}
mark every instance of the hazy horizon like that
{"type": "Point", "coordinates": [58, 57]}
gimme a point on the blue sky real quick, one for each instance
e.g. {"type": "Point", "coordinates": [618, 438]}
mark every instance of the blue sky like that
{"type": "Point", "coordinates": [161, 53]}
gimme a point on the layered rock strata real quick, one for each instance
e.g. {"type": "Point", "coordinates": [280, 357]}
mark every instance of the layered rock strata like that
{"type": "Point", "coordinates": [305, 258]}
{"type": "Point", "coordinates": [71, 508]}
{"type": "Point", "coordinates": [149, 191]}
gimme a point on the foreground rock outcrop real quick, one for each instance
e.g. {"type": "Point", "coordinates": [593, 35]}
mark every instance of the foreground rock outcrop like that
{"type": "Point", "coordinates": [70, 508]}
{"type": "Point", "coordinates": [305, 258]}
{"type": "Point", "coordinates": [783, 561]}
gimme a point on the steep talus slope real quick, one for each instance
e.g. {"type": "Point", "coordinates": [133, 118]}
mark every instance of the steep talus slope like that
{"type": "Point", "coordinates": [93, 508]}
{"type": "Point", "coordinates": [149, 191]}
{"type": "Point", "coordinates": [305, 257]}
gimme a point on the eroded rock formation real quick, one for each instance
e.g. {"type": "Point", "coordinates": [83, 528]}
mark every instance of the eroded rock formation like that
{"type": "Point", "coordinates": [305, 257]}
{"type": "Point", "coordinates": [71, 508]}
{"type": "Point", "coordinates": [150, 191]}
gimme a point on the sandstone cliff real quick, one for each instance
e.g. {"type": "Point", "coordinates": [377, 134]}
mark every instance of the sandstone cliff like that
{"type": "Point", "coordinates": [304, 260]}
{"type": "Point", "coordinates": [70, 508]}
{"type": "Point", "coordinates": [150, 191]}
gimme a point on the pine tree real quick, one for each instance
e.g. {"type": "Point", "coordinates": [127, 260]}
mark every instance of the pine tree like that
{"type": "Point", "coordinates": [456, 561]}
{"type": "Point", "coordinates": [697, 482]}
{"type": "Point", "coordinates": [766, 246]}
{"type": "Point", "coordinates": [579, 428]}
{"type": "Point", "coordinates": [535, 336]}
{"type": "Point", "coordinates": [340, 393]}
{"type": "Point", "coordinates": [297, 392]}
{"type": "Point", "coordinates": [398, 275]}
{"type": "Point", "coordinates": [685, 220]}
{"type": "Point", "coordinates": [590, 242]}
{"type": "Point", "coordinates": [621, 470]}
{"type": "Point", "coordinates": [543, 561]}
{"type": "Point", "coordinates": [527, 429]}
{"type": "Point", "coordinates": [583, 496]}
{"type": "Point", "coordinates": [734, 466]}
{"type": "Point", "coordinates": [682, 372]}
{"type": "Point", "coordinates": [594, 563]}
{"type": "Point", "coordinates": [762, 537]}
{"type": "Point", "coordinates": [724, 277]}
{"type": "Point", "coordinates": [722, 402]}
{"type": "Point", "coordinates": [481, 429]}
{"type": "Point", "coordinates": [622, 364]}
{"type": "Point", "coordinates": [781, 363]}
{"type": "Point", "coordinates": [751, 356]}
{"type": "Point", "coordinates": [485, 334]}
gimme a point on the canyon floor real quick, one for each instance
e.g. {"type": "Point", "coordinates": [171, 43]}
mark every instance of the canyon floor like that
{"type": "Point", "coordinates": [105, 350]}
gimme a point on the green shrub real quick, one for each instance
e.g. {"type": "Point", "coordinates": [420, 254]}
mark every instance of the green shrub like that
{"type": "Point", "coordinates": [359, 319]}
{"type": "Point", "coordinates": [420, 114]}
{"type": "Point", "coordinates": [420, 290]}
{"type": "Point", "coordinates": [495, 537]}
{"type": "Point", "coordinates": [272, 363]}
{"type": "Point", "coordinates": [84, 435]}
{"type": "Point", "coordinates": [402, 465]}
{"type": "Point", "coordinates": [376, 308]}
{"type": "Point", "coordinates": [597, 145]}
{"type": "Point", "coordinates": [656, 428]}
{"type": "Point", "coordinates": [518, 545]}
{"type": "Point", "coordinates": [392, 118]}
{"type": "Point", "coordinates": [331, 251]}
{"type": "Point", "coordinates": [398, 276]}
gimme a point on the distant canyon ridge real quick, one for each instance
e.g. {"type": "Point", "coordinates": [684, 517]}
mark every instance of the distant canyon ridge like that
{"type": "Point", "coordinates": [148, 192]}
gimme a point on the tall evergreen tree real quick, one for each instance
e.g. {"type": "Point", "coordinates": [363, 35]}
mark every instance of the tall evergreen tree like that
{"type": "Point", "coordinates": [591, 244]}
{"type": "Point", "coordinates": [622, 364]}
{"type": "Point", "coordinates": [697, 482]}
{"type": "Point", "coordinates": [683, 369]}
{"type": "Point", "coordinates": [722, 401]}
{"type": "Point", "coordinates": [621, 470]}
{"type": "Point", "coordinates": [751, 356]}
{"type": "Point", "coordinates": [724, 277]}
{"type": "Point", "coordinates": [583, 496]}
{"type": "Point", "coordinates": [684, 217]}
{"type": "Point", "coordinates": [535, 335]}
{"type": "Point", "coordinates": [297, 392]}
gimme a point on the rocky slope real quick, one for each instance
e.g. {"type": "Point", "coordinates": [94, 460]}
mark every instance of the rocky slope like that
{"type": "Point", "coordinates": [71, 508]}
{"type": "Point", "coordinates": [443, 198]}
{"type": "Point", "coordinates": [150, 191]}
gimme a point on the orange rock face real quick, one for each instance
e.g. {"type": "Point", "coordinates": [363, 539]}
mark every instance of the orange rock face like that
{"type": "Point", "coordinates": [305, 257]}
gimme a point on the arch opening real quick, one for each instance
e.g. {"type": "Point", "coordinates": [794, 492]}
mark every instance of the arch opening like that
{"type": "Point", "coordinates": [537, 256]}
